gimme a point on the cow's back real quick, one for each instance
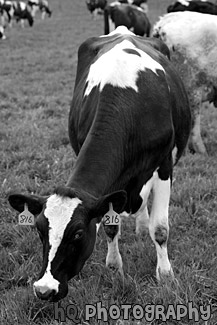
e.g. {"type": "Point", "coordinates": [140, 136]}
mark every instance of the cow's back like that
{"type": "Point", "coordinates": [162, 85]}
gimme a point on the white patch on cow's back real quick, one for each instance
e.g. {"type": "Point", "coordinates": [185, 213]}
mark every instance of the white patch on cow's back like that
{"type": "Point", "coordinates": [58, 212]}
{"type": "Point", "coordinates": [119, 68]}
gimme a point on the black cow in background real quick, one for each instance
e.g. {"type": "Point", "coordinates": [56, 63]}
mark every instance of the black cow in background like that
{"type": "Point", "coordinates": [205, 7]}
{"type": "Point", "coordinates": [127, 15]}
{"type": "Point", "coordinates": [96, 6]}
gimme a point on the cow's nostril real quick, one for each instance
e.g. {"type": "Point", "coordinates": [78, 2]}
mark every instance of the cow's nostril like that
{"type": "Point", "coordinates": [47, 295]}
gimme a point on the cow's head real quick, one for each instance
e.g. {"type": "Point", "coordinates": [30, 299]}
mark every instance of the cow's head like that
{"type": "Point", "coordinates": [66, 223]}
{"type": "Point", "coordinates": [91, 5]}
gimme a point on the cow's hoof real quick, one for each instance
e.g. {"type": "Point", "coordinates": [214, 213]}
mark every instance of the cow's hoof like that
{"type": "Point", "coordinates": [164, 275]}
{"type": "Point", "coordinates": [115, 269]}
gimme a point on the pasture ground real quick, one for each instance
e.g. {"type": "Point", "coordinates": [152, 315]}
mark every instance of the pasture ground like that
{"type": "Point", "coordinates": [37, 74]}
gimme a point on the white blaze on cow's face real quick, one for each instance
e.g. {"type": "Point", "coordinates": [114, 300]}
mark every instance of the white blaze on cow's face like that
{"type": "Point", "coordinates": [119, 68]}
{"type": "Point", "coordinates": [58, 211]}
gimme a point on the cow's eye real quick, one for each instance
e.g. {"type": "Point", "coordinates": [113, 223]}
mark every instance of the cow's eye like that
{"type": "Point", "coordinates": [78, 234]}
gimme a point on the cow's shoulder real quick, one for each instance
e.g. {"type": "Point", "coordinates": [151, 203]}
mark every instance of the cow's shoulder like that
{"type": "Point", "coordinates": [153, 44]}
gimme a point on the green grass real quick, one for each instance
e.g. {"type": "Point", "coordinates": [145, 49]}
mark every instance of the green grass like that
{"type": "Point", "coordinates": [37, 70]}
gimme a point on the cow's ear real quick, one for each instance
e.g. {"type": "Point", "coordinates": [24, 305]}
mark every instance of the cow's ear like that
{"type": "Point", "coordinates": [34, 202]}
{"type": "Point", "coordinates": [101, 206]}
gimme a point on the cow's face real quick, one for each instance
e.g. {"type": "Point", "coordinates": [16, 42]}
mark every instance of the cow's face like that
{"type": "Point", "coordinates": [66, 223]}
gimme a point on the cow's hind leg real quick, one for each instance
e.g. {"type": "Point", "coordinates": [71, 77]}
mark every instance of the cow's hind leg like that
{"type": "Point", "coordinates": [142, 216]}
{"type": "Point", "coordinates": [113, 259]}
{"type": "Point", "coordinates": [158, 222]}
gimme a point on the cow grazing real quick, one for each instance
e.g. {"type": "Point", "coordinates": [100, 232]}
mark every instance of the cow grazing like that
{"type": "Point", "coordinates": [127, 15]}
{"type": "Point", "coordinates": [18, 11]}
{"type": "Point", "coordinates": [192, 38]}
{"type": "Point", "coordinates": [129, 111]}
{"type": "Point", "coordinates": [41, 5]}
{"type": "Point", "coordinates": [195, 5]}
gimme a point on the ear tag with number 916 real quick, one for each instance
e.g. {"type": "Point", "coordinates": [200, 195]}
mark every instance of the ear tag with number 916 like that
{"type": "Point", "coordinates": [26, 218]}
{"type": "Point", "coordinates": [111, 217]}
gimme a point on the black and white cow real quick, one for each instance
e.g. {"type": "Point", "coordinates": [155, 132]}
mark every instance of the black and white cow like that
{"type": "Point", "coordinates": [41, 5]}
{"type": "Point", "coordinates": [195, 5]}
{"type": "Point", "coordinates": [18, 11]}
{"type": "Point", "coordinates": [131, 16]}
{"type": "Point", "coordinates": [129, 111]}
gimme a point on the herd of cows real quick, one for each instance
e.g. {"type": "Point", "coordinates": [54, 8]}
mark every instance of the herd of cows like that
{"type": "Point", "coordinates": [20, 12]}
{"type": "Point", "coordinates": [189, 30]}
{"type": "Point", "coordinates": [136, 105]}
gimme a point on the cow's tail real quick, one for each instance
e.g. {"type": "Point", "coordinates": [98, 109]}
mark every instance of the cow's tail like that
{"type": "Point", "coordinates": [106, 20]}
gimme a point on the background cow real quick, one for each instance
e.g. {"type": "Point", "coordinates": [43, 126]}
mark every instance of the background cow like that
{"type": "Point", "coordinates": [96, 6]}
{"type": "Point", "coordinates": [195, 5]}
{"type": "Point", "coordinates": [192, 38]}
{"type": "Point", "coordinates": [41, 5]}
{"type": "Point", "coordinates": [127, 15]}
{"type": "Point", "coordinates": [18, 11]}
{"type": "Point", "coordinates": [129, 111]}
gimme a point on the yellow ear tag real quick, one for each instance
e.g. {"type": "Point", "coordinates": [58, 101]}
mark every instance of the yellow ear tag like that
{"type": "Point", "coordinates": [111, 217]}
{"type": "Point", "coordinates": [26, 218]}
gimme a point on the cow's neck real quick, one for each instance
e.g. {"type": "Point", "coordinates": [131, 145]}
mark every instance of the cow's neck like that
{"type": "Point", "coordinates": [98, 166]}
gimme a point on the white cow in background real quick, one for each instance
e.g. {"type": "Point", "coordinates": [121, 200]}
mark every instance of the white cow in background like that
{"type": "Point", "coordinates": [192, 40]}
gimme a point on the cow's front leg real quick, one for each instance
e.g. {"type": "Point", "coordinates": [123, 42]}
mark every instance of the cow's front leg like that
{"type": "Point", "coordinates": [158, 224]}
{"type": "Point", "coordinates": [113, 258]}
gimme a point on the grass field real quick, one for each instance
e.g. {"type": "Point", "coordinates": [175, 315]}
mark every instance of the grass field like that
{"type": "Point", "coordinates": [37, 74]}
